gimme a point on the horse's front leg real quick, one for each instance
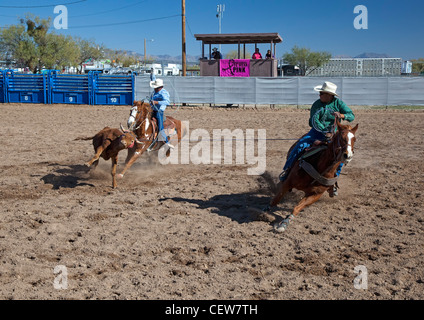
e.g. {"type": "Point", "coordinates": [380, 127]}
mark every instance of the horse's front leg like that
{"type": "Point", "coordinates": [282, 189]}
{"type": "Point", "coordinates": [128, 165]}
{"type": "Point", "coordinates": [306, 201]}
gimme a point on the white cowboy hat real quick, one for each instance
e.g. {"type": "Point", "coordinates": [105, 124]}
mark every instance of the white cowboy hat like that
{"type": "Point", "coordinates": [327, 87]}
{"type": "Point", "coordinates": [156, 84]}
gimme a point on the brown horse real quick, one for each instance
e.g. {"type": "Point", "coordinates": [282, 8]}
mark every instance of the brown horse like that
{"type": "Point", "coordinates": [145, 127]}
{"type": "Point", "coordinates": [316, 174]}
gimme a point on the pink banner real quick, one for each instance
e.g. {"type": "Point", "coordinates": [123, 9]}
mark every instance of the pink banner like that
{"type": "Point", "coordinates": [234, 67]}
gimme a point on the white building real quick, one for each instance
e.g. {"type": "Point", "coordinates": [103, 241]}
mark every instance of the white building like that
{"type": "Point", "coordinates": [170, 70]}
{"type": "Point", "coordinates": [406, 67]}
{"type": "Point", "coordinates": [367, 67]}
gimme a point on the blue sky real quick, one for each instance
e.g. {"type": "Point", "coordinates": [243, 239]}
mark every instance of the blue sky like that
{"type": "Point", "coordinates": [394, 27]}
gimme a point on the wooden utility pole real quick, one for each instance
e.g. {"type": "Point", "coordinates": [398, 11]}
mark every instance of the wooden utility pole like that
{"type": "Point", "coordinates": [183, 39]}
{"type": "Point", "coordinates": [144, 50]}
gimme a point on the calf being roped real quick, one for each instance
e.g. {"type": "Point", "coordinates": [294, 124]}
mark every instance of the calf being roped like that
{"type": "Point", "coordinates": [107, 143]}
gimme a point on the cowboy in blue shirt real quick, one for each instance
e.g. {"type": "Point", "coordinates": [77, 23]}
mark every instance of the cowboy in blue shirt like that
{"type": "Point", "coordinates": [159, 100]}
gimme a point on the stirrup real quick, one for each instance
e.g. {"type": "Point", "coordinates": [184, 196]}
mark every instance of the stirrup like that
{"type": "Point", "coordinates": [170, 146]}
{"type": "Point", "coordinates": [283, 175]}
{"type": "Point", "coordinates": [152, 145]}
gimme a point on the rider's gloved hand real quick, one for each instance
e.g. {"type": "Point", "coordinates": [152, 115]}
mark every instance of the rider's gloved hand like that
{"type": "Point", "coordinates": [154, 106]}
{"type": "Point", "coordinates": [338, 115]}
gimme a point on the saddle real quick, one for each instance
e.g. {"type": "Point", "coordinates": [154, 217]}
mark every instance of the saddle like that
{"type": "Point", "coordinates": [316, 148]}
{"type": "Point", "coordinates": [169, 128]}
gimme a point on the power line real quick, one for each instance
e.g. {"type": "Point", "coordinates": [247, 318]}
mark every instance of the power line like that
{"type": "Point", "coordinates": [107, 11]}
{"type": "Point", "coordinates": [122, 23]}
{"type": "Point", "coordinates": [42, 6]}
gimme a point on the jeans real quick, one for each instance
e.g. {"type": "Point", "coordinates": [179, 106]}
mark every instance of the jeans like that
{"type": "Point", "coordinates": [305, 142]}
{"type": "Point", "coordinates": [159, 116]}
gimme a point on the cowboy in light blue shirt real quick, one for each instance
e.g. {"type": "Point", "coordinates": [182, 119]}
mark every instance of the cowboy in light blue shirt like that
{"type": "Point", "coordinates": [159, 100]}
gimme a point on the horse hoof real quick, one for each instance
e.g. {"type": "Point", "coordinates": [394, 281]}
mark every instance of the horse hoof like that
{"type": "Point", "coordinates": [119, 175]}
{"type": "Point", "coordinates": [280, 227]}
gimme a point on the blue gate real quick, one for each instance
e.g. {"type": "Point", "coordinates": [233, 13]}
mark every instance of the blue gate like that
{"type": "Point", "coordinates": [113, 89]}
{"type": "Point", "coordinates": [92, 88]}
{"type": "Point", "coordinates": [26, 88]}
{"type": "Point", "coordinates": [67, 88]}
{"type": "Point", "coordinates": [2, 88]}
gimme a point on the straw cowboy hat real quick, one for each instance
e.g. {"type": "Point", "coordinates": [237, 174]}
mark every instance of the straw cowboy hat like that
{"type": "Point", "coordinates": [327, 87]}
{"type": "Point", "coordinates": [156, 84]}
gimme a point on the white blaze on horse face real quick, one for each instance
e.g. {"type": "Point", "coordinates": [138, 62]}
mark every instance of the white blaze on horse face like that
{"type": "Point", "coordinates": [131, 119]}
{"type": "Point", "coordinates": [350, 136]}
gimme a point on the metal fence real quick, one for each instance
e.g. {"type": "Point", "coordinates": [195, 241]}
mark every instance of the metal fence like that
{"type": "Point", "coordinates": [2, 88]}
{"type": "Point", "coordinates": [95, 88]}
{"type": "Point", "coordinates": [52, 87]}
{"type": "Point", "coordinates": [287, 91]}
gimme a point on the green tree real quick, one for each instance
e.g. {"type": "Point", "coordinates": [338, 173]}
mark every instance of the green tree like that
{"type": "Point", "coordinates": [418, 65]}
{"type": "Point", "coordinates": [233, 54]}
{"type": "Point", "coordinates": [59, 52]}
{"type": "Point", "coordinates": [306, 59]}
{"type": "Point", "coordinates": [32, 46]}
{"type": "Point", "coordinates": [88, 49]}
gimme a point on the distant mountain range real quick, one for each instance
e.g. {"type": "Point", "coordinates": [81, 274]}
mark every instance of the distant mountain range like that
{"type": "Point", "coordinates": [165, 58]}
{"type": "Point", "coordinates": [366, 55]}
{"type": "Point", "coordinates": [195, 59]}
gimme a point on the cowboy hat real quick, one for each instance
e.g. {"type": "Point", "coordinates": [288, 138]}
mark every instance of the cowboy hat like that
{"type": "Point", "coordinates": [156, 84]}
{"type": "Point", "coordinates": [327, 87]}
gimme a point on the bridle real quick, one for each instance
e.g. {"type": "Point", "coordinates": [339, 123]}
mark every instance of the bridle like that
{"type": "Point", "coordinates": [340, 146]}
{"type": "Point", "coordinates": [137, 118]}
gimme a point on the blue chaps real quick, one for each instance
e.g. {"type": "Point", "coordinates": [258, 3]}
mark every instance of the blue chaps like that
{"type": "Point", "coordinates": [305, 142]}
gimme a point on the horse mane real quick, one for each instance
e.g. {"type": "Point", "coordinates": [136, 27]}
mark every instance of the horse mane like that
{"type": "Point", "coordinates": [144, 109]}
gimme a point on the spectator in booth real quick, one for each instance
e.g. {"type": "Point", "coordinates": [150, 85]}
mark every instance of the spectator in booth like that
{"type": "Point", "coordinates": [269, 55]}
{"type": "Point", "coordinates": [216, 54]}
{"type": "Point", "coordinates": [257, 54]}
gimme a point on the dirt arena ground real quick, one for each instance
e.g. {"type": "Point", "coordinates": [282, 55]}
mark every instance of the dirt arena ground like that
{"type": "Point", "coordinates": [184, 231]}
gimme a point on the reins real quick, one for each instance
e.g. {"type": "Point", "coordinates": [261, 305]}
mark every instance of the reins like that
{"type": "Point", "coordinates": [137, 119]}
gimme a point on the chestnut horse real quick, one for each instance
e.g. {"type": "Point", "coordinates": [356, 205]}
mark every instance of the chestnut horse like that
{"type": "Point", "coordinates": [315, 174]}
{"type": "Point", "coordinates": [145, 127]}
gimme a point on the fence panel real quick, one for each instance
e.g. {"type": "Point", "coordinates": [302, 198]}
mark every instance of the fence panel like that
{"type": "Point", "coordinates": [25, 88]}
{"type": "Point", "coordinates": [113, 90]}
{"type": "Point", "coordinates": [66, 88]}
{"type": "Point", "coordinates": [290, 90]}
{"type": "Point", "coordinates": [2, 88]}
{"type": "Point", "coordinates": [409, 91]}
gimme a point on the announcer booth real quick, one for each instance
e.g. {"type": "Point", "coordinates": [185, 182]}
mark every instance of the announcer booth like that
{"type": "Point", "coordinates": [242, 66]}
